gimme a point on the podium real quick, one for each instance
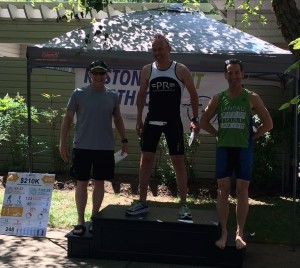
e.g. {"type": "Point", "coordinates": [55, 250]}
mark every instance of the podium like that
{"type": "Point", "coordinates": [155, 237]}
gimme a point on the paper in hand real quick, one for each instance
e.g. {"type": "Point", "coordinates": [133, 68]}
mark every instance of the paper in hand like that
{"type": "Point", "coordinates": [191, 137]}
{"type": "Point", "coordinates": [119, 157]}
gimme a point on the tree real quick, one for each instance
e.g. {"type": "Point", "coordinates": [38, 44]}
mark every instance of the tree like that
{"type": "Point", "coordinates": [288, 17]}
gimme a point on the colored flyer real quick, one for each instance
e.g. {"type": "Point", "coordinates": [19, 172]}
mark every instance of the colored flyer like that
{"type": "Point", "coordinates": [26, 204]}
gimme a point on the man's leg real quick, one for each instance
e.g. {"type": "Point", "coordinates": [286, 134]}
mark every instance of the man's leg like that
{"type": "Point", "coordinates": [242, 208]}
{"type": "Point", "coordinates": [98, 195]}
{"type": "Point", "coordinates": [223, 209]}
{"type": "Point", "coordinates": [81, 200]}
{"type": "Point", "coordinates": [181, 176]}
{"type": "Point", "coordinates": [146, 164]}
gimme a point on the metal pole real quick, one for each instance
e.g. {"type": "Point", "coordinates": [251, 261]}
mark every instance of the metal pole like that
{"type": "Point", "coordinates": [30, 162]}
{"type": "Point", "coordinates": [295, 164]}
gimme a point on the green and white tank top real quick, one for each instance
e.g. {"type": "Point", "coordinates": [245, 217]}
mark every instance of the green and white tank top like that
{"type": "Point", "coordinates": [234, 118]}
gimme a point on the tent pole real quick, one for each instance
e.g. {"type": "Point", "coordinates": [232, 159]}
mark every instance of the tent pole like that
{"type": "Point", "coordinates": [30, 163]}
{"type": "Point", "coordinates": [295, 163]}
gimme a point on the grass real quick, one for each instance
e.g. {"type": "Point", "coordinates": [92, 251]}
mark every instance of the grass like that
{"type": "Point", "coordinates": [272, 220]}
{"type": "Point", "coordinates": [269, 219]}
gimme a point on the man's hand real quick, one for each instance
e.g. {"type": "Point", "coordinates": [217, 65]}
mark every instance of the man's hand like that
{"type": "Point", "coordinates": [195, 127]}
{"type": "Point", "coordinates": [124, 148]}
{"type": "Point", "coordinates": [63, 150]}
{"type": "Point", "coordinates": [139, 128]}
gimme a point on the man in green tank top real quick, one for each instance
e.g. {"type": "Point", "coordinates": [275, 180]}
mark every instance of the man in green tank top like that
{"type": "Point", "coordinates": [234, 107]}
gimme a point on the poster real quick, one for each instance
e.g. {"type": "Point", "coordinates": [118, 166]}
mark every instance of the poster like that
{"type": "Point", "coordinates": [127, 82]}
{"type": "Point", "coordinates": [26, 204]}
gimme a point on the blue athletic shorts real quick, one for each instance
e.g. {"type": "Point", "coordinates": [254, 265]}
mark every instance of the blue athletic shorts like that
{"type": "Point", "coordinates": [93, 164]}
{"type": "Point", "coordinates": [173, 131]}
{"type": "Point", "coordinates": [234, 162]}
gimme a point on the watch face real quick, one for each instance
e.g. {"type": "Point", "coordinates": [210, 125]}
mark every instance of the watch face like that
{"type": "Point", "coordinates": [196, 119]}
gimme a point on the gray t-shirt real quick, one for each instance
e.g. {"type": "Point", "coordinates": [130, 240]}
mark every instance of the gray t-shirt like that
{"type": "Point", "coordinates": [94, 110]}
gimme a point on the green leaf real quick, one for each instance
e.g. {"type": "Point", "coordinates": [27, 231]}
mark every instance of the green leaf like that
{"type": "Point", "coordinates": [292, 67]}
{"type": "Point", "coordinates": [295, 100]}
{"type": "Point", "coordinates": [284, 106]}
{"type": "Point", "coordinates": [294, 42]}
{"type": "Point", "coordinates": [297, 46]}
{"type": "Point", "coordinates": [46, 95]}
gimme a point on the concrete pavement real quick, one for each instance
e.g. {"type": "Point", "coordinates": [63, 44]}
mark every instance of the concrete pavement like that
{"type": "Point", "coordinates": [51, 252]}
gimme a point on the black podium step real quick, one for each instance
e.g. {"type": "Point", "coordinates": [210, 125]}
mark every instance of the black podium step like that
{"type": "Point", "coordinates": [156, 237]}
{"type": "Point", "coordinates": [80, 246]}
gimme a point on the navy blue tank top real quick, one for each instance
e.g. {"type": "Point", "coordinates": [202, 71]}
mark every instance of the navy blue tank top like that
{"type": "Point", "coordinates": [165, 90]}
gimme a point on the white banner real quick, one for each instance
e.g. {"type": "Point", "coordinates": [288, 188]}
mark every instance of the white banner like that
{"type": "Point", "coordinates": [26, 204]}
{"type": "Point", "coordinates": [127, 83]}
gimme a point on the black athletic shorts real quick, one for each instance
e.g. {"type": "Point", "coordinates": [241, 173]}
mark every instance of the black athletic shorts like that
{"type": "Point", "coordinates": [93, 164]}
{"type": "Point", "coordinates": [173, 131]}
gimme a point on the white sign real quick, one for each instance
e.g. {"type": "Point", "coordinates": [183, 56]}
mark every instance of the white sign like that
{"type": "Point", "coordinates": [26, 204]}
{"type": "Point", "coordinates": [127, 83]}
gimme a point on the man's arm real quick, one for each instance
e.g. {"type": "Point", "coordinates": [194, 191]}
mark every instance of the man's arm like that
{"type": "Point", "coordinates": [185, 75]}
{"type": "Point", "coordinates": [120, 127]}
{"type": "Point", "coordinates": [209, 113]}
{"type": "Point", "coordinates": [258, 106]}
{"type": "Point", "coordinates": [65, 128]}
{"type": "Point", "coordinates": [141, 97]}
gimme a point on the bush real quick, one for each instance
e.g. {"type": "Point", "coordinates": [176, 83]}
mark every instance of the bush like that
{"type": "Point", "coordinates": [269, 150]}
{"type": "Point", "coordinates": [14, 138]}
{"type": "Point", "coordinates": [13, 123]}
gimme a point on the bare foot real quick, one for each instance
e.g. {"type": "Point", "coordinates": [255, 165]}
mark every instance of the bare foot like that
{"type": "Point", "coordinates": [221, 243]}
{"type": "Point", "coordinates": [239, 242]}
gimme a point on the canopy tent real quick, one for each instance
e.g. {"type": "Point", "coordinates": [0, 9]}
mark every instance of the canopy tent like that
{"type": "Point", "coordinates": [199, 42]}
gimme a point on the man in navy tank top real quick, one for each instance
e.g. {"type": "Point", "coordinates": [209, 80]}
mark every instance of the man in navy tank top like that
{"type": "Point", "coordinates": [165, 79]}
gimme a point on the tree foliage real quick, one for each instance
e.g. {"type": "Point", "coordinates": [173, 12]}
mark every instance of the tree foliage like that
{"type": "Point", "coordinates": [250, 10]}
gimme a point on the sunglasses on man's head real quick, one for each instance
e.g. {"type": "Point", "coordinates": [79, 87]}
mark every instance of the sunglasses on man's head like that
{"type": "Point", "coordinates": [100, 73]}
{"type": "Point", "coordinates": [233, 61]}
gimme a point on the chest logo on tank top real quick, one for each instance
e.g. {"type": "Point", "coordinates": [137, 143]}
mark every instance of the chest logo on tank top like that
{"type": "Point", "coordinates": [163, 84]}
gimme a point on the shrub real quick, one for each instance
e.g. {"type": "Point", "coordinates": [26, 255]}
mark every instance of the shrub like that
{"type": "Point", "coordinates": [13, 125]}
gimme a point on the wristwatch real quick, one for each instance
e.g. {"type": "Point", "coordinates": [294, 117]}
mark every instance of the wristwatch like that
{"type": "Point", "coordinates": [124, 141]}
{"type": "Point", "coordinates": [195, 119]}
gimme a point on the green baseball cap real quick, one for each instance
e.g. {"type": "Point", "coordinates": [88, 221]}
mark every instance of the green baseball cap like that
{"type": "Point", "coordinates": [97, 65]}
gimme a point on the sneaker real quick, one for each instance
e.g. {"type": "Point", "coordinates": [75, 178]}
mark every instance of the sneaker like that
{"type": "Point", "coordinates": [137, 207]}
{"type": "Point", "coordinates": [185, 213]}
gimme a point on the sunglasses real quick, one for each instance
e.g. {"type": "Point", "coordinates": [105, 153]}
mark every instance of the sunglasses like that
{"type": "Point", "coordinates": [99, 73]}
{"type": "Point", "coordinates": [233, 61]}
